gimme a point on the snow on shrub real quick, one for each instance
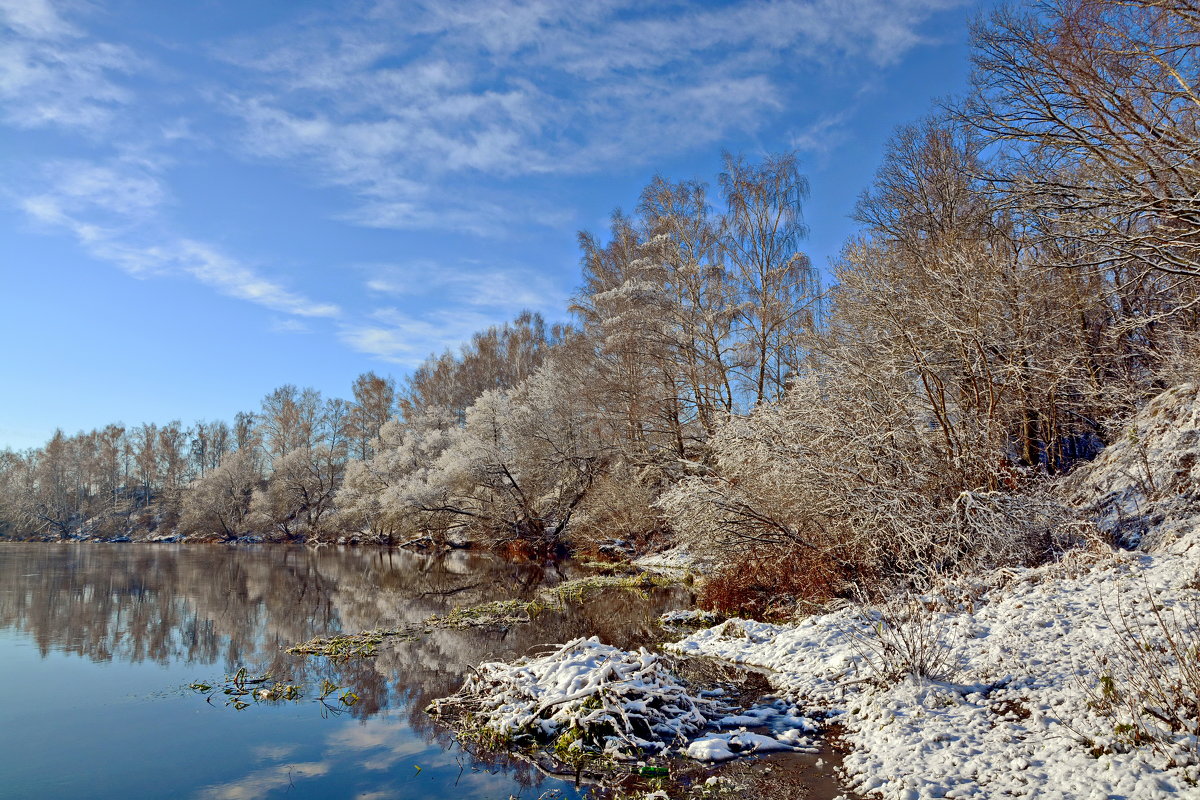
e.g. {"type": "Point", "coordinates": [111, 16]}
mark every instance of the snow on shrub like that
{"type": "Point", "coordinates": [589, 694]}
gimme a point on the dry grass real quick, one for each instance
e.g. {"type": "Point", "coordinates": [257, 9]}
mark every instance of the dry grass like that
{"type": "Point", "coordinates": [1150, 684]}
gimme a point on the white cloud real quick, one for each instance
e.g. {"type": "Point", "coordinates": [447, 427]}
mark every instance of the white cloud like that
{"type": "Point", "coordinates": [289, 325]}
{"type": "Point", "coordinates": [381, 743]}
{"type": "Point", "coordinates": [274, 752]}
{"type": "Point", "coordinates": [112, 210]}
{"type": "Point", "coordinates": [52, 74]}
{"type": "Point", "coordinates": [506, 290]}
{"type": "Point", "coordinates": [404, 338]}
{"type": "Point", "coordinates": [469, 297]}
{"type": "Point", "coordinates": [823, 134]}
{"type": "Point", "coordinates": [422, 104]}
{"type": "Point", "coordinates": [35, 18]}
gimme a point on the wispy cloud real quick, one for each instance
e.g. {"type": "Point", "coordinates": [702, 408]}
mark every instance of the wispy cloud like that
{"type": "Point", "coordinates": [405, 338]}
{"type": "Point", "coordinates": [504, 289]}
{"type": "Point", "coordinates": [289, 325]}
{"type": "Point", "coordinates": [823, 134]}
{"type": "Point", "coordinates": [53, 74]}
{"type": "Point", "coordinates": [408, 104]}
{"type": "Point", "coordinates": [439, 306]}
{"type": "Point", "coordinates": [112, 211]}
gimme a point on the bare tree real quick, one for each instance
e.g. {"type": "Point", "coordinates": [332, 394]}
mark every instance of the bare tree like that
{"type": "Point", "coordinates": [1098, 103]}
{"type": "Point", "coordinates": [374, 401]}
{"type": "Point", "coordinates": [777, 285]}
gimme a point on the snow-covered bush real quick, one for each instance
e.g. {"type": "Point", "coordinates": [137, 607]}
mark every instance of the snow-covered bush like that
{"type": "Point", "coordinates": [851, 474]}
{"type": "Point", "coordinates": [297, 501]}
{"type": "Point", "coordinates": [584, 694]}
{"type": "Point", "coordinates": [517, 469]}
{"type": "Point", "coordinates": [618, 506]}
{"type": "Point", "coordinates": [219, 502]}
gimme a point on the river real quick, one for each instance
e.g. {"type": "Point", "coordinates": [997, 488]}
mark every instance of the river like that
{"type": "Point", "coordinates": [99, 645]}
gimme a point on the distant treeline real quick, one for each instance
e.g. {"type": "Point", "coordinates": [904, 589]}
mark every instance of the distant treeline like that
{"type": "Point", "coordinates": [1027, 273]}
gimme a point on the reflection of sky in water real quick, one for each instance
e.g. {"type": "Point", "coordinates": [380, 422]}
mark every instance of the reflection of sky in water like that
{"type": "Point", "coordinates": [383, 746]}
{"type": "Point", "coordinates": [98, 645]}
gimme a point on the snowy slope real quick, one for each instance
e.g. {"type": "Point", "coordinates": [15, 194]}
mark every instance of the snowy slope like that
{"type": "Point", "coordinates": [1024, 714]}
{"type": "Point", "coordinates": [1144, 489]}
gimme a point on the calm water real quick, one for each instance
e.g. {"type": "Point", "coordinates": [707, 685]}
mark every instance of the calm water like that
{"type": "Point", "coordinates": [98, 644]}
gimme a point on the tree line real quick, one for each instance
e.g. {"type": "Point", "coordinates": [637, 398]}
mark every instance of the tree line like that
{"type": "Point", "coordinates": [1025, 275]}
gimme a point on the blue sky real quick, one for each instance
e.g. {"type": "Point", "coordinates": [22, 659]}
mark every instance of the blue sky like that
{"type": "Point", "coordinates": [205, 200]}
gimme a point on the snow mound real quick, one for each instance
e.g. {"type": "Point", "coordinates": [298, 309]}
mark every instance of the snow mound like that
{"type": "Point", "coordinates": [724, 746]}
{"type": "Point", "coordinates": [680, 558]}
{"type": "Point", "coordinates": [1144, 489]}
{"type": "Point", "coordinates": [611, 699]}
{"type": "Point", "coordinates": [690, 617]}
{"type": "Point", "coordinates": [589, 697]}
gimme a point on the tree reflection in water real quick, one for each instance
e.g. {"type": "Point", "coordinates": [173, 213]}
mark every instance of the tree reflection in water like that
{"type": "Point", "coordinates": [228, 608]}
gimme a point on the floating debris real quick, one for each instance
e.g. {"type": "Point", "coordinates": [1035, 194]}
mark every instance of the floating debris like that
{"type": "Point", "coordinates": [240, 691]}
{"type": "Point", "coordinates": [486, 615]}
{"type": "Point", "coordinates": [243, 690]}
{"type": "Point", "coordinates": [351, 645]}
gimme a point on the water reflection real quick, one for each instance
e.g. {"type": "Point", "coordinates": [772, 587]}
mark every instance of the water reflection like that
{"type": "Point", "coordinates": [203, 612]}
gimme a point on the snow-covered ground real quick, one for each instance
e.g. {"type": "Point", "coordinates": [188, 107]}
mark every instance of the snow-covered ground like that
{"type": "Point", "coordinates": [1145, 489]}
{"type": "Point", "coordinates": [1042, 658]}
{"type": "Point", "coordinates": [675, 560]}
{"type": "Point", "coordinates": [1013, 720]}
{"type": "Point", "coordinates": [1032, 690]}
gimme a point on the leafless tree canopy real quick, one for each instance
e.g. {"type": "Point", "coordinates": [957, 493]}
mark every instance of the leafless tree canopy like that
{"type": "Point", "coordinates": [1025, 276]}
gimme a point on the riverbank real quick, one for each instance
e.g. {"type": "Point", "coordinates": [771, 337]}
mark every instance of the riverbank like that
{"type": "Point", "coordinates": [1037, 696]}
{"type": "Point", "coordinates": [1075, 679]}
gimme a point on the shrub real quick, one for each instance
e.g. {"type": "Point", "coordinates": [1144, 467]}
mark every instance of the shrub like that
{"type": "Point", "coordinates": [1150, 683]}
{"type": "Point", "coordinates": [902, 639]}
{"type": "Point", "coordinates": [771, 587]}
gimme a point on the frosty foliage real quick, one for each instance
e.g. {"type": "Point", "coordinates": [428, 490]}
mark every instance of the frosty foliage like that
{"type": "Point", "coordinates": [219, 501]}
{"type": "Point", "coordinates": [298, 498]}
{"type": "Point", "coordinates": [386, 494]}
{"type": "Point", "coordinates": [516, 467]}
{"type": "Point", "coordinates": [861, 482]}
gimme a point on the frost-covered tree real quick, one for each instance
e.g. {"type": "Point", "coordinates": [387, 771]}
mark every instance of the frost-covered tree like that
{"type": "Point", "coordinates": [219, 500]}
{"type": "Point", "coordinates": [297, 500]}
{"type": "Point", "coordinates": [499, 357]}
{"type": "Point", "coordinates": [388, 496]}
{"type": "Point", "coordinates": [519, 466]}
{"type": "Point", "coordinates": [775, 282]}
